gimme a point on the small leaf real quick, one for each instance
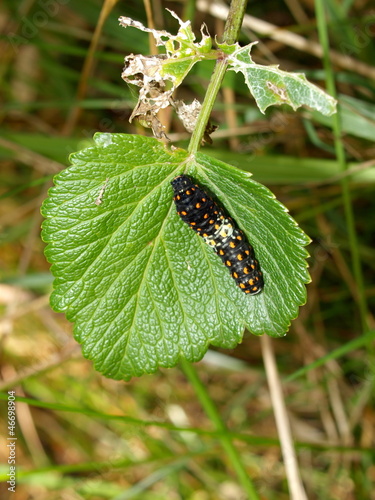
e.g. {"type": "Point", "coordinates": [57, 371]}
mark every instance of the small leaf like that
{"type": "Point", "coordinates": [159, 76]}
{"type": "Point", "coordinates": [142, 288]}
{"type": "Point", "coordinates": [269, 85]}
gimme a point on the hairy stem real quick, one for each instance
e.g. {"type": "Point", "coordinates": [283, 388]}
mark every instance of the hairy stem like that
{"type": "Point", "coordinates": [231, 32]}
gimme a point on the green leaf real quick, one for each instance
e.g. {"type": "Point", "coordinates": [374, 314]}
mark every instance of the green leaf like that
{"type": "Point", "coordinates": [142, 288]}
{"type": "Point", "coordinates": [182, 51]}
{"type": "Point", "coordinates": [270, 86]}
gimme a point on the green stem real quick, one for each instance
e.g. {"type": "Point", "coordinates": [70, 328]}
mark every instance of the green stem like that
{"type": "Point", "coordinates": [225, 440]}
{"type": "Point", "coordinates": [345, 182]}
{"type": "Point", "coordinates": [231, 32]}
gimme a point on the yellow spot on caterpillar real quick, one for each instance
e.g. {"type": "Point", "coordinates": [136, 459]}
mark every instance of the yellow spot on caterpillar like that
{"type": "Point", "coordinates": [228, 263]}
{"type": "Point", "coordinates": [240, 256]}
{"type": "Point", "coordinates": [198, 205]}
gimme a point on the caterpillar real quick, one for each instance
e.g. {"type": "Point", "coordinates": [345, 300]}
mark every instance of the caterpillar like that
{"type": "Point", "coordinates": [219, 231]}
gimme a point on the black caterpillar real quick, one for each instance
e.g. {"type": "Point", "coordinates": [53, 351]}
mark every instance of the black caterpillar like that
{"type": "Point", "coordinates": [219, 231]}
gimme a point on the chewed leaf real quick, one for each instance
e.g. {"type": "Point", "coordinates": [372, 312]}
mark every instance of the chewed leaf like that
{"type": "Point", "coordinates": [271, 86]}
{"type": "Point", "coordinates": [159, 76]}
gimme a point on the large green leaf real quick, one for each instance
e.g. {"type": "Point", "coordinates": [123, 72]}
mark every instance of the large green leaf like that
{"type": "Point", "coordinates": [142, 288]}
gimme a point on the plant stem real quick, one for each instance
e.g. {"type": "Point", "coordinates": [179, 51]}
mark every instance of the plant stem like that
{"type": "Point", "coordinates": [345, 182]}
{"type": "Point", "coordinates": [225, 440]}
{"type": "Point", "coordinates": [231, 32]}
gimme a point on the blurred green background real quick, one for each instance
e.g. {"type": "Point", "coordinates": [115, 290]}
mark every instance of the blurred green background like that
{"type": "Point", "coordinates": [86, 437]}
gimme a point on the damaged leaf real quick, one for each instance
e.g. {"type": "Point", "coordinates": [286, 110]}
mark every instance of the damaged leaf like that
{"type": "Point", "coordinates": [159, 76]}
{"type": "Point", "coordinates": [188, 114]}
{"type": "Point", "coordinates": [269, 85]}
